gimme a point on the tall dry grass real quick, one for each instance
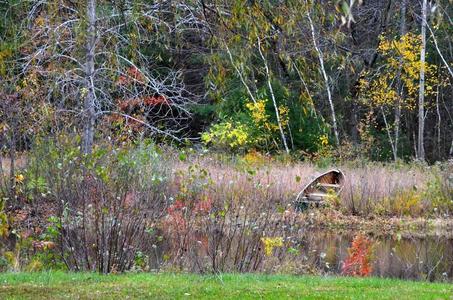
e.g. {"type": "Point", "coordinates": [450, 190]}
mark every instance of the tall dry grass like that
{"type": "Point", "coordinates": [371, 188]}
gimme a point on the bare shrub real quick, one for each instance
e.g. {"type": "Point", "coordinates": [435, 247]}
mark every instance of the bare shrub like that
{"type": "Point", "coordinates": [106, 202]}
{"type": "Point", "coordinates": [220, 228]}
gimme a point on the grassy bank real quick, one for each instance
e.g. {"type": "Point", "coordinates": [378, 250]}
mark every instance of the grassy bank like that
{"type": "Point", "coordinates": [57, 285]}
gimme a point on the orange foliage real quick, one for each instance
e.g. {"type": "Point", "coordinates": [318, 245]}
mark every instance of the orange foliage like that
{"type": "Point", "coordinates": [132, 74]}
{"type": "Point", "coordinates": [43, 245]}
{"type": "Point", "coordinates": [358, 263]}
{"type": "Point", "coordinates": [155, 100]}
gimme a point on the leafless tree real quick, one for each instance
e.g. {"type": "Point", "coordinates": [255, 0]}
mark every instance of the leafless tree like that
{"type": "Point", "coordinates": [101, 59]}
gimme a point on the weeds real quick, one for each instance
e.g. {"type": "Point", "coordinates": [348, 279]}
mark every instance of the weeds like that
{"type": "Point", "coordinates": [124, 209]}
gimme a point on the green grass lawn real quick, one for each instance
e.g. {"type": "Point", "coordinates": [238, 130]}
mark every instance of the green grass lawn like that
{"type": "Point", "coordinates": [59, 285]}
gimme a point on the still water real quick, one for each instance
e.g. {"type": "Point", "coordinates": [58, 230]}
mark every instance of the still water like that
{"type": "Point", "coordinates": [427, 258]}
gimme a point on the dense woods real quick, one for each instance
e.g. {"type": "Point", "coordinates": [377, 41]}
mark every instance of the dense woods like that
{"type": "Point", "coordinates": [363, 78]}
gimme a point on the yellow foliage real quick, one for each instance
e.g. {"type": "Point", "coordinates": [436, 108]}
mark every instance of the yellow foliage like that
{"type": "Point", "coordinates": [227, 134]}
{"type": "Point", "coordinates": [270, 243]}
{"type": "Point", "coordinates": [402, 61]}
{"type": "Point", "coordinates": [255, 158]}
{"type": "Point", "coordinates": [40, 22]}
{"type": "Point", "coordinates": [4, 55]}
{"type": "Point", "coordinates": [324, 139]}
{"type": "Point", "coordinates": [258, 111]}
{"type": "Point", "coordinates": [4, 224]}
{"type": "Point", "coordinates": [284, 111]}
{"type": "Point", "coordinates": [261, 119]}
{"type": "Point", "coordinates": [408, 203]}
{"type": "Point", "coordinates": [19, 178]}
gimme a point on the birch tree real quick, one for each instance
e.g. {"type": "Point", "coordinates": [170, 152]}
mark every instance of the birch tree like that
{"type": "Point", "coordinates": [400, 86]}
{"type": "Point", "coordinates": [274, 101]}
{"type": "Point", "coordinates": [421, 99]}
{"type": "Point", "coordinates": [324, 75]}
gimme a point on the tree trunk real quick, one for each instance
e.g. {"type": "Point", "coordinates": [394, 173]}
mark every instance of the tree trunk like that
{"type": "Point", "coordinates": [399, 85]}
{"type": "Point", "coordinates": [326, 79]}
{"type": "Point", "coordinates": [241, 77]}
{"type": "Point", "coordinates": [421, 97]}
{"type": "Point", "coordinates": [439, 119]}
{"type": "Point", "coordinates": [450, 153]}
{"type": "Point", "coordinates": [89, 116]}
{"type": "Point", "coordinates": [274, 101]}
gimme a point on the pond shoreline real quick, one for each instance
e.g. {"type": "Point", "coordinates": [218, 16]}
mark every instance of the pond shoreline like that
{"type": "Point", "coordinates": [332, 220]}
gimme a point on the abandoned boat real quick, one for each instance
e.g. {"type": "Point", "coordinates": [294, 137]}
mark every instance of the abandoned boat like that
{"type": "Point", "coordinates": [317, 190]}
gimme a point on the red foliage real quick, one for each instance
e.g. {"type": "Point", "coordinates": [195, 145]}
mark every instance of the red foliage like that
{"type": "Point", "coordinates": [175, 219]}
{"type": "Point", "coordinates": [135, 107]}
{"type": "Point", "coordinates": [129, 104]}
{"type": "Point", "coordinates": [184, 227]}
{"type": "Point", "coordinates": [132, 74]}
{"type": "Point", "coordinates": [358, 263]}
{"type": "Point", "coordinates": [155, 100]}
{"type": "Point", "coordinates": [178, 205]}
{"type": "Point", "coordinates": [203, 206]}
{"type": "Point", "coordinates": [134, 103]}
{"type": "Point", "coordinates": [179, 214]}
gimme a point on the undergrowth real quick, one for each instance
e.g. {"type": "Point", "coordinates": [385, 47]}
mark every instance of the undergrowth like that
{"type": "Point", "coordinates": [139, 206]}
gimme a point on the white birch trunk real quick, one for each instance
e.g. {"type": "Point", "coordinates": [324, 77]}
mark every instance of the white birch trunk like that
{"type": "Point", "coordinates": [241, 77]}
{"type": "Point", "coordinates": [400, 85]}
{"type": "Point", "coordinates": [271, 90]}
{"type": "Point", "coordinates": [421, 97]}
{"type": "Point", "coordinates": [326, 79]}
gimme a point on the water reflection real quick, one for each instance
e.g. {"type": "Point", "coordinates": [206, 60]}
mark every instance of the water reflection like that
{"type": "Point", "coordinates": [428, 258]}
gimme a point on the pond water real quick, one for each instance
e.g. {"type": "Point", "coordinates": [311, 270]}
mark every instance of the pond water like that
{"type": "Point", "coordinates": [427, 258]}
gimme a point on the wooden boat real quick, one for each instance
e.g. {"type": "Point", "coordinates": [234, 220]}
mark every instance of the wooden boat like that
{"type": "Point", "coordinates": [318, 189]}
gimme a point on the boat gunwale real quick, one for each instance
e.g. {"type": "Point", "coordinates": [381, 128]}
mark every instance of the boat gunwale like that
{"type": "Point", "coordinates": [342, 178]}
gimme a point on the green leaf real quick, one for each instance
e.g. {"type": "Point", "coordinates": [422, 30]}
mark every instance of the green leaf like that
{"type": "Point", "coordinates": [345, 8]}
{"type": "Point", "coordinates": [182, 156]}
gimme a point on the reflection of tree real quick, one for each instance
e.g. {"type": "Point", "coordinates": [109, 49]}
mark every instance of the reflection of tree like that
{"type": "Point", "coordinates": [423, 258]}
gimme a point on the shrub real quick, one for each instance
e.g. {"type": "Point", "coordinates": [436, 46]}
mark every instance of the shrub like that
{"type": "Point", "coordinates": [253, 125]}
{"type": "Point", "coordinates": [228, 136]}
{"type": "Point", "coordinates": [439, 192]}
{"type": "Point", "coordinates": [106, 202]}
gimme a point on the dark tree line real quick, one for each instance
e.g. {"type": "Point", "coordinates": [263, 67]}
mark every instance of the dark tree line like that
{"type": "Point", "coordinates": [369, 77]}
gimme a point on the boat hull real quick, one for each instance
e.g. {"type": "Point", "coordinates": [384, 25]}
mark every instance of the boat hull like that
{"type": "Point", "coordinates": [321, 187]}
